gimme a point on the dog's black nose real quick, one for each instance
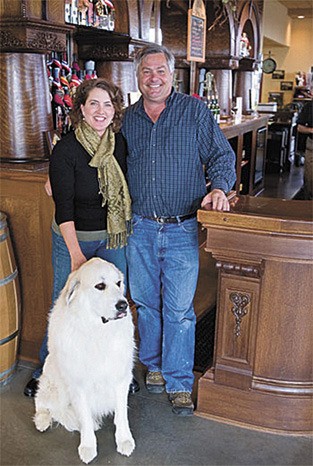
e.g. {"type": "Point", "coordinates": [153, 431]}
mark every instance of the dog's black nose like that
{"type": "Point", "coordinates": [121, 305]}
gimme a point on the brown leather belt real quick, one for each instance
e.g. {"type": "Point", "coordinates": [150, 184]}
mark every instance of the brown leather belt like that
{"type": "Point", "coordinates": [177, 219]}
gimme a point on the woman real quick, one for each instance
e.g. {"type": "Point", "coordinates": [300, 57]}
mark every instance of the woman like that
{"type": "Point", "coordinates": [92, 202]}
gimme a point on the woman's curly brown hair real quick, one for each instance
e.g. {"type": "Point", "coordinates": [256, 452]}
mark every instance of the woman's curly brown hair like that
{"type": "Point", "coordinates": [82, 93]}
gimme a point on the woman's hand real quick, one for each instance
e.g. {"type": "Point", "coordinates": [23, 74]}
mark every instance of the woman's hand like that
{"type": "Point", "coordinates": [69, 235]}
{"type": "Point", "coordinates": [217, 198]}
{"type": "Point", "coordinates": [77, 259]}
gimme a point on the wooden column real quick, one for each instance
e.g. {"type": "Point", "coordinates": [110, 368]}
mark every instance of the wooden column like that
{"type": "Point", "coordinates": [26, 106]}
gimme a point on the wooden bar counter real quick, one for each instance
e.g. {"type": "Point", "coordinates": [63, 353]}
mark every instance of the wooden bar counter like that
{"type": "Point", "coordinates": [262, 370]}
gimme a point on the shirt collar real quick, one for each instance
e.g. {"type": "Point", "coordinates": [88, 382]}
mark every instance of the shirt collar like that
{"type": "Point", "coordinates": [138, 106]}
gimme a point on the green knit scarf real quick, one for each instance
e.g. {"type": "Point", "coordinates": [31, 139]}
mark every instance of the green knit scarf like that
{"type": "Point", "coordinates": [112, 183]}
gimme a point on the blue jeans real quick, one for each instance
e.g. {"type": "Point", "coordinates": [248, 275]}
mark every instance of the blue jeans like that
{"type": "Point", "coordinates": [163, 263]}
{"type": "Point", "coordinates": [61, 263]}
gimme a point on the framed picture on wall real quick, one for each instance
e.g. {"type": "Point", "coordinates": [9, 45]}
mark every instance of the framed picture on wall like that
{"type": "Point", "coordinates": [278, 74]}
{"type": "Point", "coordinates": [276, 97]}
{"type": "Point", "coordinates": [286, 85]}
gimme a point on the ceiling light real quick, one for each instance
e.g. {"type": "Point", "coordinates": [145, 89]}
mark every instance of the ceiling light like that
{"type": "Point", "coordinates": [300, 17]}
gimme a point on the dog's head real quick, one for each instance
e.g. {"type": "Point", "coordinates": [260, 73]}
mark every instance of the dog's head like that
{"type": "Point", "coordinates": [97, 286]}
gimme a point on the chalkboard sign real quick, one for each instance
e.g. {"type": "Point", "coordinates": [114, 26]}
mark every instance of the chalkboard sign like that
{"type": "Point", "coordinates": [196, 37]}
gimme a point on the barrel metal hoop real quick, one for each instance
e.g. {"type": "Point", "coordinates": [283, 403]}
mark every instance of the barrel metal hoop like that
{"type": "Point", "coordinates": [5, 373]}
{"type": "Point", "coordinates": [9, 278]}
{"type": "Point", "coordinates": [3, 237]}
{"type": "Point", "coordinates": [9, 338]}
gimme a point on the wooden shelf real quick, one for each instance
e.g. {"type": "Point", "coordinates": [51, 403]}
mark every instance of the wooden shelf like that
{"type": "Point", "coordinates": [101, 45]}
{"type": "Point", "coordinates": [243, 138]}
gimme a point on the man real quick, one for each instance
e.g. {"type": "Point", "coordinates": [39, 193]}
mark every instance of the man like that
{"type": "Point", "coordinates": [170, 138]}
{"type": "Point", "coordinates": [305, 127]}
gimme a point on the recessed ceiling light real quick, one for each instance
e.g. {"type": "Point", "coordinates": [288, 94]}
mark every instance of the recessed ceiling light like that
{"type": "Point", "coordinates": [300, 17]}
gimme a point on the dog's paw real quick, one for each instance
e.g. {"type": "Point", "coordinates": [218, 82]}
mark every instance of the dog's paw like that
{"type": "Point", "coordinates": [87, 454]}
{"type": "Point", "coordinates": [42, 420]}
{"type": "Point", "coordinates": [126, 447]}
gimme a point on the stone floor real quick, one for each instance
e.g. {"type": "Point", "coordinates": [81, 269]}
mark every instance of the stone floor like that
{"type": "Point", "coordinates": [161, 437]}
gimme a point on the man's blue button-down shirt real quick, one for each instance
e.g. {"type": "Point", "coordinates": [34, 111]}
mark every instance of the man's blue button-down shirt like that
{"type": "Point", "coordinates": [166, 159]}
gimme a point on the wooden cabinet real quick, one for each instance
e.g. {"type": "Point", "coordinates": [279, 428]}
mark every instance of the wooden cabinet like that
{"type": "Point", "coordinates": [29, 213]}
{"type": "Point", "coordinates": [262, 369]}
{"type": "Point", "coordinates": [248, 140]}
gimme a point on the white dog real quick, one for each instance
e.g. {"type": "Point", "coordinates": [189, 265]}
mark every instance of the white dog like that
{"type": "Point", "coordinates": [91, 351]}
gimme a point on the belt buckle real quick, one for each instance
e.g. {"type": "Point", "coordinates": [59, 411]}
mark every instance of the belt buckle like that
{"type": "Point", "coordinates": [160, 220]}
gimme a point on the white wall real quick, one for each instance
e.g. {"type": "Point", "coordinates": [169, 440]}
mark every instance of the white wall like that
{"type": "Point", "coordinates": [276, 22]}
{"type": "Point", "coordinates": [292, 59]}
{"type": "Point", "coordinates": [300, 54]}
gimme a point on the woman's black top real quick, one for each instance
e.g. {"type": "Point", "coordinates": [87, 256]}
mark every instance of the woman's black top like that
{"type": "Point", "coordinates": [75, 186]}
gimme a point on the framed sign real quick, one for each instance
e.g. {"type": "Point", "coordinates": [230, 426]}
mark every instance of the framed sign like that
{"type": "Point", "coordinates": [196, 32]}
{"type": "Point", "coordinates": [278, 74]}
{"type": "Point", "coordinates": [276, 97]}
{"type": "Point", "coordinates": [286, 85]}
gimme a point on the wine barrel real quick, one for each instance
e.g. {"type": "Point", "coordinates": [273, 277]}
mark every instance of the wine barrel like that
{"type": "Point", "coordinates": [10, 304]}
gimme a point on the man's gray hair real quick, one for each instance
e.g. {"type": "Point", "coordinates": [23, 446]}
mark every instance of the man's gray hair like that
{"type": "Point", "coordinates": [152, 49]}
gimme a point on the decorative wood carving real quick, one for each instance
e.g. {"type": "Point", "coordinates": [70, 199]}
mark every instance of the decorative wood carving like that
{"type": "Point", "coordinates": [46, 41]}
{"type": "Point", "coordinates": [105, 52]}
{"type": "Point", "coordinates": [8, 41]}
{"type": "Point", "coordinates": [234, 358]}
{"type": "Point", "coordinates": [101, 45]}
{"type": "Point", "coordinates": [32, 36]}
{"type": "Point", "coordinates": [246, 270]}
{"type": "Point", "coordinates": [24, 8]}
{"type": "Point", "coordinates": [240, 302]}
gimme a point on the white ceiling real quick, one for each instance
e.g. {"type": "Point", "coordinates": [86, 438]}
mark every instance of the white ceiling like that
{"type": "Point", "coordinates": [298, 7]}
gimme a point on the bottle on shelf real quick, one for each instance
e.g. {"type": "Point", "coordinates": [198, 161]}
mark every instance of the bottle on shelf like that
{"type": "Point", "coordinates": [201, 83]}
{"type": "Point", "coordinates": [63, 82]}
{"type": "Point", "coordinates": [217, 110]}
{"type": "Point", "coordinates": [214, 107]}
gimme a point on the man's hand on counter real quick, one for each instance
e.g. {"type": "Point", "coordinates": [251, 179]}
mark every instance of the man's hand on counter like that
{"type": "Point", "coordinates": [218, 200]}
